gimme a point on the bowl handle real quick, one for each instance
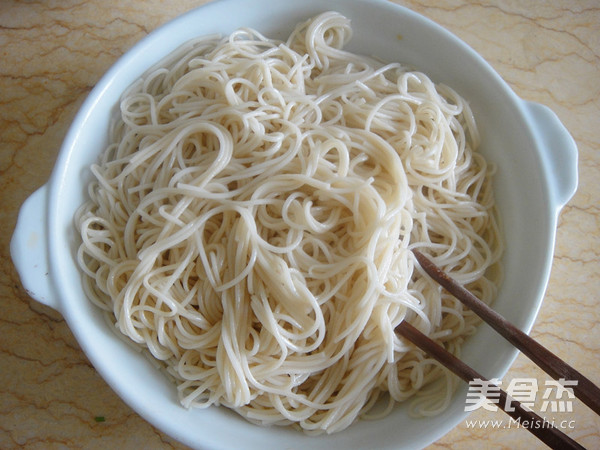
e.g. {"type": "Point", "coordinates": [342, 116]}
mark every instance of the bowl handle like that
{"type": "Point", "coordinates": [560, 156]}
{"type": "Point", "coordinates": [29, 249]}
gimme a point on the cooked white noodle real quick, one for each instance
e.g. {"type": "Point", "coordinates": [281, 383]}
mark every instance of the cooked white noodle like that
{"type": "Point", "coordinates": [251, 221]}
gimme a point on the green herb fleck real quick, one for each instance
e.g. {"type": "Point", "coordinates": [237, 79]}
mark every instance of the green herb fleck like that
{"type": "Point", "coordinates": [100, 419]}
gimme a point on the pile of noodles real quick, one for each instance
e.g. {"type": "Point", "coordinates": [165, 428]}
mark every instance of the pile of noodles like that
{"type": "Point", "coordinates": [250, 225]}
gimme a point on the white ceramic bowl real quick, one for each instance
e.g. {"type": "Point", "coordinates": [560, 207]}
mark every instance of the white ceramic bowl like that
{"type": "Point", "coordinates": [536, 159]}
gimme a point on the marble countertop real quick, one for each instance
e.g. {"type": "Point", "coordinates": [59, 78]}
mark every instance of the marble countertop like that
{"type": "Point", "coordinates": [52, 54]}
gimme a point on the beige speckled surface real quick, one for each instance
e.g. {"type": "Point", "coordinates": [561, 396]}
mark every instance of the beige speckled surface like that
{"type": "Point", "coordinates": [53, 52]}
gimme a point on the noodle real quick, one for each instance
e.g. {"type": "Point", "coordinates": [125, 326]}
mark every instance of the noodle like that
{"type": "Point", "coordinates": [250, 225]}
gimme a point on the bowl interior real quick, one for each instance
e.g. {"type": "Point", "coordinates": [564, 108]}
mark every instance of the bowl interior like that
{"type": "Point", "coordinates": [381, 29]}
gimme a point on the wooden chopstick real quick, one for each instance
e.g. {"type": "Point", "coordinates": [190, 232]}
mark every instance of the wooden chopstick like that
{"type": "Point", "coordinates": [539, 427]}
{"type": "Point", "coordinates": [585, 390]}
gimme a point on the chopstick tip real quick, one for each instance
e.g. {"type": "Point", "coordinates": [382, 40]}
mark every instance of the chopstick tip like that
{"type": "Point", "coordinates": [423, 260]}
{"type": "Point", "coordinates": [417, 254]}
